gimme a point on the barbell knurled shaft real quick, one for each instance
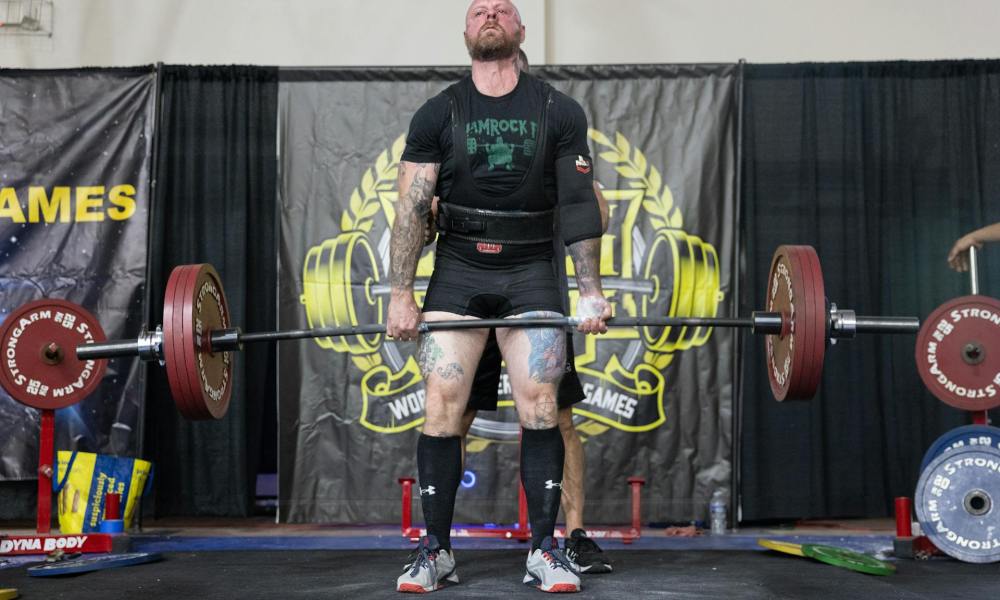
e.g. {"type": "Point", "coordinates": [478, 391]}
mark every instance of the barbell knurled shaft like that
{"type": "Point", "coordinates": [760, 322]}
{"type": "Point", "coordinates": [534, 322]}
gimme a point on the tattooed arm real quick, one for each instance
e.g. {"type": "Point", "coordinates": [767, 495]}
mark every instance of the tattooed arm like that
{"type": "Point", "coordinates": [583, 212]}
{"type": "Point", "coordinates": [592, 306]}
{"type": "Point", "coordinates": [416, 190]}
{"type": "Point", "coordinates": [602, 203]}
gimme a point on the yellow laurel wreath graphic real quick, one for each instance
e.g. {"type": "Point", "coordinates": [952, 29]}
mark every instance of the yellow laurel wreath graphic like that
{"type": "Point", "coordinates": [631, 164]}
{"type": "Point", "coordinates": [377, 190]}
{"type": "Point", "coordinates": [658, 201]}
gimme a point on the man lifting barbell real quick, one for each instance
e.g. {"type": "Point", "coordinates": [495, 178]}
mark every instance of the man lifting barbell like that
{"type": "Point", "coordinates": [585, 554]}
{"type": "Point", "coordinates": [494, 261]}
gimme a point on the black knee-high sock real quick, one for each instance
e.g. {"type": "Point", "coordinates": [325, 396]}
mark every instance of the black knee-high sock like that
{"type": "Point", "coordinates": [439, 465]}
{"type": "Point", "coordinates": [542, 455]}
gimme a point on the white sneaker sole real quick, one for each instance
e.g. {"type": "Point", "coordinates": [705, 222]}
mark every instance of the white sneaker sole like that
{"type": "Point", "coordinates": [563, 587]}
{"type": "Point", "coordinates": [416, 588]}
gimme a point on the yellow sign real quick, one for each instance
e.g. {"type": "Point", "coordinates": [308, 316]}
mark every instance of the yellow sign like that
{"type": "Point", "coordinates": [62, 204]}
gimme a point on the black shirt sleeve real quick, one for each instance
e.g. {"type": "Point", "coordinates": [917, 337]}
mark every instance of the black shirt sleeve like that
{"type": "Point", "coordinates": [429, 124]}
{"type": "Point", "coordinates": [570, 127]}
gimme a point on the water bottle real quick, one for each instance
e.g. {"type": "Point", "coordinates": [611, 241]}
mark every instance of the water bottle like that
{"type": "Point", "coordinates": [717, 512]}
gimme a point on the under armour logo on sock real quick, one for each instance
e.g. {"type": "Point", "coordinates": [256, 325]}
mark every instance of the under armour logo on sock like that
{"type": "Point", "coordinates": [429, 491]}
{"type": "Point", "coordinates": [549, 484]}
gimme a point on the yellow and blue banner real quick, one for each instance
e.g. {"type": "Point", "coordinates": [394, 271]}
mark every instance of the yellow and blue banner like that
{"type": "Point", "coordinates": [83, 478]}
{"type": "Point", "coordinates": [76, 152]}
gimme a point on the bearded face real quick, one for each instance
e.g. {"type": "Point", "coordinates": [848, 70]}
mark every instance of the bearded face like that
{"type": "Point", "coordinates": [493, 31]}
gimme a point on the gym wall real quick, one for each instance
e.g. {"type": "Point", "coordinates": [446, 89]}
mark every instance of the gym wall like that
{"type": "Point", "coordinates": [428, 32]}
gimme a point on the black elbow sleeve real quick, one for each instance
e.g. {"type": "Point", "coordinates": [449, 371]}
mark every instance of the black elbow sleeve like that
{"type": "Point", "coordinates": [579, 212]}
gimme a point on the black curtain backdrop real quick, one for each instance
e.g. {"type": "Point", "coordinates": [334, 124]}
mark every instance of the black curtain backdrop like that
{"type": "Point", "coordinates": [880, 166]}
{"type": "Point", "coordinates": [215, 202]}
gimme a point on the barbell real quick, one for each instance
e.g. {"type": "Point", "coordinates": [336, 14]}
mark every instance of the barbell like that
{"type": "Point", "coordinates": [196, 341]}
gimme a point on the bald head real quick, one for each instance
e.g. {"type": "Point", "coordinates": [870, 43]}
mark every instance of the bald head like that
{"type": "Point", "coordinates": [487, 4]}
{"type": "Point", "coordinates": [493, 30]}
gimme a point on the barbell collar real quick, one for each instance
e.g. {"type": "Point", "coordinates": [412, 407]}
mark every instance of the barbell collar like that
{"type": "Point", "coordinates": [150, 344]}
{"type": "Point", "coordinates": [843, 324]}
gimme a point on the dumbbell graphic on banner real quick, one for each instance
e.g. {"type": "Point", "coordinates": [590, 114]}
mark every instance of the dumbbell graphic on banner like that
{"type": "Point", "coordinates": [343, 286]}
{"type": "Point", "coordinates": [690, 289]}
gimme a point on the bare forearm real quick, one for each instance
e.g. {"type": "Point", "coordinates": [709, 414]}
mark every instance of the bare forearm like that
{"type": "Point", "coordinates": [990, 233]}
{"type": "Point", "coordinates": [416, 190]}
{"type": "Point", "coordinates": [586, 255]}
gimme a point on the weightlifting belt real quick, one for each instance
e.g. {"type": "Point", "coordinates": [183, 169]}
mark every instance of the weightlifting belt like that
{"type": "Point", "coordinates": [498, 226]}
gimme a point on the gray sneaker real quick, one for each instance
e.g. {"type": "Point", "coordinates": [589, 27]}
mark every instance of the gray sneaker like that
{"type": "Point", "coordinates": [429, 569]}
{"type": "Point", "coordinates": [549, 570]}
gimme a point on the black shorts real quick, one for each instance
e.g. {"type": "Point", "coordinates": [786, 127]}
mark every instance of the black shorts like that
{"type": "Point", "coordinates": [485, 385]}
{"type": "Point", "coordinates": [494, 293]}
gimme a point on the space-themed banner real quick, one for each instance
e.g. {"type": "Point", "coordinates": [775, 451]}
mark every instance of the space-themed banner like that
{"type": "Point", "coordinates": [664, 145]}
{"type": "Point", "coordinates": [75, 159]}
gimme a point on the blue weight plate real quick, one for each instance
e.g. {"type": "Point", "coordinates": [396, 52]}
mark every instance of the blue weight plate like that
{"type": "Point", "coordinates": [957, 500]}
{"type": "Point", "coordinates": [962, 437]}
{"type": "Point", "coordinates": [93, 563]}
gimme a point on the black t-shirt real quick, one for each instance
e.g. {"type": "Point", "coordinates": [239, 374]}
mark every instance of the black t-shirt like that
{"type": "Point", "coordinates": [501, 138]}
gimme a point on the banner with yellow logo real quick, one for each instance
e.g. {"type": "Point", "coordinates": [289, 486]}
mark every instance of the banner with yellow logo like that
{"type": "Point", "coordinates": [75, 161]}
{"type": "Point", "coordinates": [658, 400]}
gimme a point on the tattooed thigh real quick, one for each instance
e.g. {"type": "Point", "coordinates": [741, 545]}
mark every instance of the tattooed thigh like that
{"type": "Point", "coordinates": [432, 360]}
{"type": "Point", "coordinates": [545, 349]}
{"type": "Point", "coordinates": [429, 353]}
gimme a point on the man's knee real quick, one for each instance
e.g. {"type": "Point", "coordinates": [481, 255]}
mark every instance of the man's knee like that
{"type": "Point", "coordinates": [539, 410]}
{"type": "Point", "coordinates": [443, 412]}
